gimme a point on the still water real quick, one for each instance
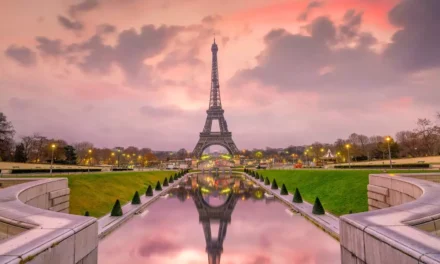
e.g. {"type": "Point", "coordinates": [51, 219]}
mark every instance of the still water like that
{"type": "Point", "coordinates": [223, 219]}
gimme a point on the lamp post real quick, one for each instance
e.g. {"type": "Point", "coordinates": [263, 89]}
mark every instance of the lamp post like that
{"type": "Point", "coordinates": [307, 157]}
{"type": "Point", "coordinates": [90, 160]}
{"type": "Point", "coordinates": [51, 160]}
{"type": "Point", "coordinates": [388, 139]}
{"type": "Point", "coordinates": [119, 157]}
{"type": "Point", "coordinates": [348, 155]}
{"type": "Point", "coordinates": [140, 162]}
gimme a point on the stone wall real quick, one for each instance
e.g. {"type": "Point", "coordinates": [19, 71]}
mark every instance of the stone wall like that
{"type": "Point", "coordinates": [37, 228]}
{"type": "Point", "coordinates": [394, 234]}
{"type": "Point", "coordinates": [387, 192]}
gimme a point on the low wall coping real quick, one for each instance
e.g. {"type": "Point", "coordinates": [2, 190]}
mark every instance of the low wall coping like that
{"type": "Point", "coordinates": [394, 225]}
{"type": "Point", "coordinates": [46, 228]}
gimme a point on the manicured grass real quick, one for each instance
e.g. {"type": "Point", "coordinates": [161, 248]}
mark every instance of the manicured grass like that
{"type": "Point", "coordinates": [97, 192]}
{"type": "Point", "coordinates": [339, 190]}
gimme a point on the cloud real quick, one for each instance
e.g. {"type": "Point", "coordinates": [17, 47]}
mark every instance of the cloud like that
{"type": "Point", "coordinates": [210, 20]}
{"type": "Point", "coordinates": [416, 46]}
{"type": "Point", "coordinates": [321, 62]}
{"type": "Point", "coordinates": [100, 56]}
{"type": "Point", "coordinates": [322, 29]}
{"type": "Point", "coordinates": [312, 5]}
{"type": "Point", "coordinates": [49, 47]}
{"type": "Point", "coordinates": [133, 47]}
{"type": "Point", "coordinates": [105, 29]}
{"type": "Point", "coordinates": [84, 6]}
{"type": "Point", "coordinates": [69, 24]}
{"type": "Point", "coordinates": [22, 55]}
{"type": "Point", "coordinates": [131, 50]}
{"type": "Point", "coordinates": [180, 57]}
{"type": "Point", "coordinates": [351, 24]}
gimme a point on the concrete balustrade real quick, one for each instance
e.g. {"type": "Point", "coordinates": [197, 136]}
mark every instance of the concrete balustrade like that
{"type": "Point", "coordinates": [401, 225]}
{"type": "Point", "coordinates": [36, 228]}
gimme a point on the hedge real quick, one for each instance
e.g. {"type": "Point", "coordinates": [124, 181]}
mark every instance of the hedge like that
{"type": "Point", "coordinates": [20, 171]}
{"type": "Point", "coordinates": [384, 166]}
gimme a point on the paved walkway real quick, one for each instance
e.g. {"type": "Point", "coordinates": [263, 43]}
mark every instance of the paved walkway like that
{"type": "Point", "coordinates": [327, 222]}
{"type": "Point", "coordinates": [107, 223]}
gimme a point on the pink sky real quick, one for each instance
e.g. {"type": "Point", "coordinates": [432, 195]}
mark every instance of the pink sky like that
{"type": "Point", "coordinates": [120, 73]}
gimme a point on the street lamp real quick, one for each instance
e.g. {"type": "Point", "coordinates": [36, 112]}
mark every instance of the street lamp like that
{"type": "Point", "coordinates": [348, 155]}
{"type": "Point", "coordinates": [90, 160]}
{"type": "Point", "coordinates": [119, 156]}
{"type": "Point", "coordinates": [307, 157]}
{"type": "Point", "coordinates": [140, 161]}
{"type": "Point", "coordinates": [388, 139]}
{"type": "Point", "coordinates": [51, 161]}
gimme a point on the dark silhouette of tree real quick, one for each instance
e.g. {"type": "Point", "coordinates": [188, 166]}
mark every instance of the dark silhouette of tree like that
{"type": "Point", "coordinates": [20, 155]}
{"type": "Point", "coordinates": [70, 154]}
{"type": "Point", "coordinates": [6, 138]}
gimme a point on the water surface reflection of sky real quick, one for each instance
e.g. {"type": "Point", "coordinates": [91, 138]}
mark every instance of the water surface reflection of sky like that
{"type": "Point", "coordinates": [259, 233]}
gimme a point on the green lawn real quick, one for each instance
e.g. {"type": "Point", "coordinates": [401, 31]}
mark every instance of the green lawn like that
{"type": "Point", "coordinates": [339, 190]}
{"type": "Point", "coordinates": [97, 192]}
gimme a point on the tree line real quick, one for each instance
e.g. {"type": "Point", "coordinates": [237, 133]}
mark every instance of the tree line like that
{"type": "Point", "coordinates": [423, 140]}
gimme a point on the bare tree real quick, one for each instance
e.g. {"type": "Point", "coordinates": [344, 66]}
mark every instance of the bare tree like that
{"type": "Point", "coordinates": [82, 149]}
{"type": "Point", "coordinates": [428, 135]}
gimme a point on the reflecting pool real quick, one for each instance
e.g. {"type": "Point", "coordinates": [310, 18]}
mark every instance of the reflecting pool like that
{"type": "Point", "coordinates": [218, 219]}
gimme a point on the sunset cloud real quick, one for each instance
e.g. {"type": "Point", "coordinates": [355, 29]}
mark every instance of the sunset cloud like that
{"type": "Point", "coordinates": [302, 67]}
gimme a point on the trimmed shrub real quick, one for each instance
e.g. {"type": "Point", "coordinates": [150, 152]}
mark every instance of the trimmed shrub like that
{"type": "Point", "coordinates": [158, 186]}
{"type": "Point", "coordinates": [136, 199]}
{"type": "Point", "coordinates": [86, 213]}
{"type": "Point", "coordinates": [318, 209]}
{"type": "Point", "coordinates": [149, 191]}
{"type": "Point", "coordinates": [165, 182]}
{"type": "Point", "coordinates": [175, 176]}
{"type": "Point", "coordinates": [117, 209]}
{"type": "Point", "coordinates": [297, 198]}
{"type": "Point", "coordinates": [261, 178]}
{"type": "Point", "coordinates": [284, 190]}
{"type": "Point", "coordinates": [274, 185]}
{"type": "Point", "coordinates": [266, 181]}
{"type": "Point", "coordinates": [171, 179]}
{"type": "Point", "coordinates": [257, 177]}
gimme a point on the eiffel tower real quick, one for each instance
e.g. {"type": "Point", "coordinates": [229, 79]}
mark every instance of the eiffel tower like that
{"type": "Point", "coordinates": [215, 112]}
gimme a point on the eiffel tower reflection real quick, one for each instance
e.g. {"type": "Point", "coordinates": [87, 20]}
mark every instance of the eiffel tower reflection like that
{"type": "Point", "coordinates": [200, 188]}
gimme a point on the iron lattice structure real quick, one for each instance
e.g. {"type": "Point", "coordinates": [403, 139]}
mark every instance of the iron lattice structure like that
{"type": "Point", "coordinates": [215, 112]}
{"type": "Point", "coordinates": [219, 214]}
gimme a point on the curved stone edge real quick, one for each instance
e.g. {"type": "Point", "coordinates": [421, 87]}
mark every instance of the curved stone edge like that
{"type": "Point", "coordinates": [328, 222]}
{"type": "Point", "coordinates": [44, 236]}
{"type": "Point", "coordinates": [107, 223]}
{"type": "Point", "coordinates": [389, 234]}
